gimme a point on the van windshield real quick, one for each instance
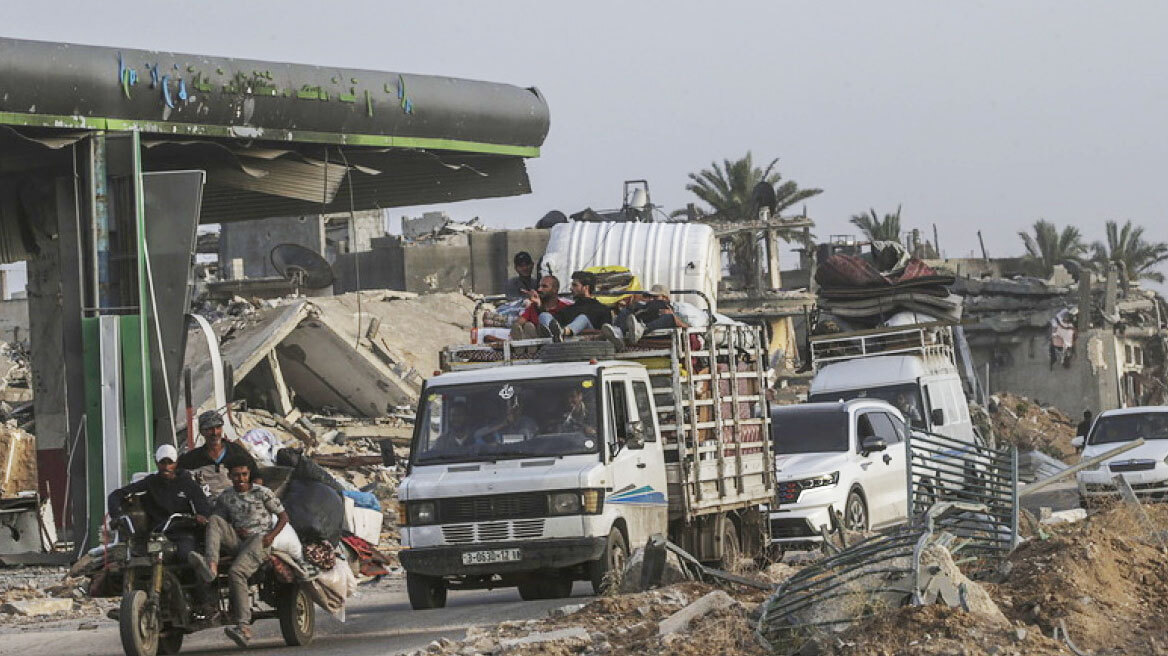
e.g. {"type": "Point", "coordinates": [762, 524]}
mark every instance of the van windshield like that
{"type": "Point", "coordinates": [507, 419]}
{"type": "Point", "coordinates": [905, 397]}
{"type": "Point", "coordinates": [1128, 427]}
{"type": "Point", "coordinates": [809, 430]}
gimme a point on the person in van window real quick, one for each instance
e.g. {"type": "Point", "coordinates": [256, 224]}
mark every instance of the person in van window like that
{"type": "Point", "coordinates": [908, 407]}
{"type": "Point", "coordinates": [578, 417]}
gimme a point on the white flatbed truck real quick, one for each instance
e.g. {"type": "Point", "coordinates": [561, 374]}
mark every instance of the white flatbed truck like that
{"type": "Point", "coordinates": [538, 470]}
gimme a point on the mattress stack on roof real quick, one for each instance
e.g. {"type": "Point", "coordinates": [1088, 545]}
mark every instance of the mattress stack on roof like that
{"type": "Point", "coordinates": [855, 293]}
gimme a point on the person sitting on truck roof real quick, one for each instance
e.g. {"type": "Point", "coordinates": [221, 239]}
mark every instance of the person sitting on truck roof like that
{"type": "Point", "coordinates": [653, 312]}
{"type": "Point", "coordinates": [585, 313]}
{"type": "Point", "coordinates": [519, 285]}
{"type": "Point", "coordinates": [545, 299]}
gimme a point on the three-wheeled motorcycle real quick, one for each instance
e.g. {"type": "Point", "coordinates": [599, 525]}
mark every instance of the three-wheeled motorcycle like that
{"type": "Point", "coordinates": [160, 601]}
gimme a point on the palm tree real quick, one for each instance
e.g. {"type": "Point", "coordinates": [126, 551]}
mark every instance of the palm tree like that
{"type": "Point", "coordinates": [877, 229]}
{"type": "Point", "coordinates": [1048, 247]}
{"type": "Point", "coordinates": [1126, 247]}
{"type": "Point", "coordinates": [729, 191]}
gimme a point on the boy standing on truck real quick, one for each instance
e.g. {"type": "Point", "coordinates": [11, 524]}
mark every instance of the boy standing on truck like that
{"type": "Point", "coordinates": [522, 283]}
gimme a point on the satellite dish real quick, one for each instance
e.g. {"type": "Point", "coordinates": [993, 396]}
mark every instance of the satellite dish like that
{"type": "Point", "coordinates": [304, 268]}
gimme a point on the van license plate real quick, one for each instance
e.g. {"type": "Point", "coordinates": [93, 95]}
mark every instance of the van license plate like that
{"type": "Point", "coordinates": [488, 557]}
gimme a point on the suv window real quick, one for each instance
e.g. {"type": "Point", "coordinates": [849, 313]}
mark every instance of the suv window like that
{"type": "Point", "coordinates": [881, 427]}
{"type": "Point", "coordinates": [644, 411]}
{"type": "Point", "coordinates": [898, 428]}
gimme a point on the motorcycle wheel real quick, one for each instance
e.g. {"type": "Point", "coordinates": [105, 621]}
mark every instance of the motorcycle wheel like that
{"type": "Point", "coordinates": [139, 625]}
{"type": "Point", "coordinates": [297, 616]}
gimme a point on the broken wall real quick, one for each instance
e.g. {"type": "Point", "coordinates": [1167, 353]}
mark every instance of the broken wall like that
{"type": "Point", "coordinates": [1019, 363]}
{"type": "Point", "coordinates": [479, 262]}
{"type": "Point", "coordinates": [253, 241]}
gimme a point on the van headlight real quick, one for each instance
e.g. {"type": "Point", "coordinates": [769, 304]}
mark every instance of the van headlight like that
{"type": "Point", "coordinates": [819, 481]}
{"type": "Point", "coordinates": [422, 512]}
{"type": "Point", "coordinates": [564, 503]}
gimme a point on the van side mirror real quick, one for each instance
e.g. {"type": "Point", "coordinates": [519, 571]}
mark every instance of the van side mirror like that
{"type": "Point", "coordinates": [937, 416]}
{"type": "Point", "coordinates": [873, 443]}
{"type": "Point", "coordinates": [636, 436]}
{"type": "Point", "coordinates": [1078, 441]}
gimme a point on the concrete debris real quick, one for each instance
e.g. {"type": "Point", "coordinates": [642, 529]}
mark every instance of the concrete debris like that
{"type": "Point", "coordinates": [570, 637]}
{"type": "Point", "coordinates": [436, 226]}
{"type": "Point", "coordinates": [936, 565]}
{"type": "Point", "coordinates": [29, 607]}
{"type": "Point", "coordinates": [18, 472]}
{"type": "Point", "coordinates": [1065, 516]}
{"type": "Point", "coordinates": [679, 621]}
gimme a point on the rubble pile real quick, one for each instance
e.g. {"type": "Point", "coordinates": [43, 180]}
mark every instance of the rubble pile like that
{"type": "Point", "coordinates": [1033, 427]}
{"type": "Point", "coordinates": [15, 381]}
{"type": "Point", "coordinates": [32, 596]}
{"type": "Point", "coordinates": [1103, 582]}
{"type": "Point", "coordinates": [685, 619]}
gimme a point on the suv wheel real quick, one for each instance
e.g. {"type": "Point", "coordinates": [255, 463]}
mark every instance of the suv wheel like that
{"type": "Point", "coordinates": [856, 513]}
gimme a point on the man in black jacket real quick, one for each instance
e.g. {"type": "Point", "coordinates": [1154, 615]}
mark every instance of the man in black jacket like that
{"type": "Point", "coordinates": [168, 491]}
{"type": "Point", "coordinates": [211, 462]}
{"type": "Point", "coordinates": [584, 313]}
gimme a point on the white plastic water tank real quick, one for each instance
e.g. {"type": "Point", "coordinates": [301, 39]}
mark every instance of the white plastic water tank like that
{"type": "Point", "coordinates": [680, 255]}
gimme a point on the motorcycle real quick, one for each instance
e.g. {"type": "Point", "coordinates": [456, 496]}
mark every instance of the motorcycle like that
{"type": "Point", "coordinates": [160, 599]}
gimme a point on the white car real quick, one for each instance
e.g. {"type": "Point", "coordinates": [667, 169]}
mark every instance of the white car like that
{"type": "Point", "coordinates": [847, 456]}
{"type": "Point", "coordinates": [1145, 467]}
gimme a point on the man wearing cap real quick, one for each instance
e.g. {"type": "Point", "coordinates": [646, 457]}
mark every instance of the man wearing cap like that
{"type": "Point", "coordinates": [211, 462]}
{"type": "Point", "coordinates": [519, 285]}
{"type": "Point", "coordinates": [170, 490]}
{"type": "Point", "coordinates": [653, 312]}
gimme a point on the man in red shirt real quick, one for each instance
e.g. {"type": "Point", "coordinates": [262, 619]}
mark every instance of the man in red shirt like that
{"type": "Point", "coordinates": [545, 299]}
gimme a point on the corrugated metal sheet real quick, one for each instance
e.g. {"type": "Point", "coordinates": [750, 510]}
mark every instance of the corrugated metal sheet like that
{"type": "Point", "coordinates": [681, 255]}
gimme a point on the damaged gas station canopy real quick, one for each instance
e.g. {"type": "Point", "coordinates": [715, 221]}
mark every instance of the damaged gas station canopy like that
{"type": "Point", "coordinates": [331, 355]}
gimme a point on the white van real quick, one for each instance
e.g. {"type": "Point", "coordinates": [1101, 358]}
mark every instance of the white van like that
{"type": "Point", "coordinates": [911, 367]}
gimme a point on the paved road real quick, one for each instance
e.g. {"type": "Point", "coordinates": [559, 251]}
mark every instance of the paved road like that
{"type": "Point", "coordinates": [379, 622]}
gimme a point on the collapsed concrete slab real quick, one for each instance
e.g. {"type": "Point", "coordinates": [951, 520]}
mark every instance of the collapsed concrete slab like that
{"type": "Point", "coordinates": [361, 356]}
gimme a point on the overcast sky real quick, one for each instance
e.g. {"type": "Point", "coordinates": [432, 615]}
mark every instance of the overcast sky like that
{"type": "Point", "coordinates": [972, 115]}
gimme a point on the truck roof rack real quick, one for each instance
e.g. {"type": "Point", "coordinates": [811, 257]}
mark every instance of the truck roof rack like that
{"type": "Point", "coordinates": [928, 339]}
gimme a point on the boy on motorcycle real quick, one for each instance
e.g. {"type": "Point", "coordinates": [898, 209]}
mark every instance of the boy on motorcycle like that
{"type": "Point", "coordinates": [241, 525]}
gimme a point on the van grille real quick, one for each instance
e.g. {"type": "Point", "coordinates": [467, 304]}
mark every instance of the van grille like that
{"type": "Point", "coordinates": [525, 505]}
{"type": "Point", "coordinates": [524, 529]}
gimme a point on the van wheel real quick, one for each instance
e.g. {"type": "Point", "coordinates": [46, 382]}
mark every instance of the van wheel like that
{"type": "Point", "coordinates": [605, 571]}
{"type": "Point", "coordinates": [731, 545]}
{"type": "Point", "coordinates": [425, 592]}
{"type": "Point", "coordinates": [856, 513]}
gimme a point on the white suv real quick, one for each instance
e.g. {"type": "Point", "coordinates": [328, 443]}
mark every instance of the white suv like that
{"type": "Point", "coordinates": [847, 456]}
{"type": "Point", "coordinates": [1145, 467]}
